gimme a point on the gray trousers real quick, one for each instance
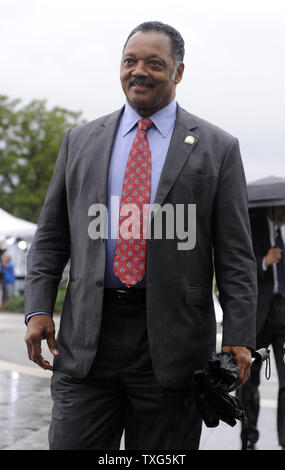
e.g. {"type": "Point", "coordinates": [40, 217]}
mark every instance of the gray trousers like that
{"type": "Point", "coordinates": [121, 394]}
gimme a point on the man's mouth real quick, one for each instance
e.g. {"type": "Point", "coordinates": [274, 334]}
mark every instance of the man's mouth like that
{"type": "Point", "coordinates": [140, 85]}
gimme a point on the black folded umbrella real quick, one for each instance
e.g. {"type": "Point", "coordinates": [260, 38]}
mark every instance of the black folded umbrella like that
{"type": "Point", "coordinates": [212, 388]}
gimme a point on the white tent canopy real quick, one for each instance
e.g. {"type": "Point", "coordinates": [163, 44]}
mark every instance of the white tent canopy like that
{"type": "Point", "coordinates": [11, 226]}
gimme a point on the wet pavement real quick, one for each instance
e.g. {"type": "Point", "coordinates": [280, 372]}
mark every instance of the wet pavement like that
{"type": "Point", "coordinates": [25, 403]}
{"type": "Point", "coordinates": [25, 408]}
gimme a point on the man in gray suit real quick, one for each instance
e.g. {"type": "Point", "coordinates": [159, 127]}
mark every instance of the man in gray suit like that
{"type": "Point", "coordinates": [138, 316]}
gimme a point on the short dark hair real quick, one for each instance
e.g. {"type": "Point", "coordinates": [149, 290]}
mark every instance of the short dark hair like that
{"type": "Point", "coordinates": [176, 39]}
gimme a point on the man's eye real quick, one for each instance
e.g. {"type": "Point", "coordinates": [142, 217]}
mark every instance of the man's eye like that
{"type": "Point", "coordinates": [128, 61]}
{"type": "Point", "coordinates": [155, 63]}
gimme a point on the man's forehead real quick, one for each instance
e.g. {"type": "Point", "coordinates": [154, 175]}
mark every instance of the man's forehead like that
{"type": "Point", "coordinates": [150, 40]}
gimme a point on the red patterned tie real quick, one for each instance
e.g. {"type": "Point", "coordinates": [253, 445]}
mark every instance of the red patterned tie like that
{"type": "Point", "coordinates": [130, 253]}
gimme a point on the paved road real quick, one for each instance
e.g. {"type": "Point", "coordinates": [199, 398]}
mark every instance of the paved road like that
{"type": "Point", "coordinates": [25, 403]}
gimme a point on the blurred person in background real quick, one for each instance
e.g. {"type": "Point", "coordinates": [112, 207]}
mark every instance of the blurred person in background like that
{"type": "Point", "coordinates": [7, 268]}
{"type": "Point", "coordinates": [268, 233]}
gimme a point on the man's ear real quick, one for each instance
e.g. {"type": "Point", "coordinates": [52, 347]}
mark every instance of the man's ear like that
{"type": "Point", "coordinates": [179, 74]}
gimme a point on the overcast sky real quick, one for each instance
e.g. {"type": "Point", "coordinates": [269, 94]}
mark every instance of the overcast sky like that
{"type": "Point", "coordinates": [68, 52]}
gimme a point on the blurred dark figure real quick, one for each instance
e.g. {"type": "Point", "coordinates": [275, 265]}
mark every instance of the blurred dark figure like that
{"type": "Point", "coordinates": [7, 268]}
{"type": "Point", "coordinates": [268, 233]}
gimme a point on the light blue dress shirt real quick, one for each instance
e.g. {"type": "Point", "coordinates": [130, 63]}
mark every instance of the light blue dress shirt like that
{"type": "Point", "coordinates": [159, 136]}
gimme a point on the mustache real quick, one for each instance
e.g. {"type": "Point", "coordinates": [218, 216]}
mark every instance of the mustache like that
{"type": "Point", "coordinates": [141, 82]}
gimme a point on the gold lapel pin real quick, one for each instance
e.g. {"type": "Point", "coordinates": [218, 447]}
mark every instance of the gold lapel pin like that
{"type": "Point", "coordinates": [189, 139]}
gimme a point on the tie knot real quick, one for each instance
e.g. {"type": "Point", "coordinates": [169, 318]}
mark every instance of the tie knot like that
{"type": "Point", "coordinates": [144, 124]}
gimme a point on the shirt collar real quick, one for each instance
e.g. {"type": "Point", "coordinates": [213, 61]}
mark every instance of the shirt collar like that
{"type": "Point", "coordinates": [274, 227]}
{"type": "Point", "coordinates": [163, 119]}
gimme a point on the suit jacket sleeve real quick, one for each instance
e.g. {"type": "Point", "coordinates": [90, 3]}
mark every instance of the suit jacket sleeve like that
{"type": "Point", "coordinates": [235, 264]}
{"type": "Point", "coordinates": [50, 248]}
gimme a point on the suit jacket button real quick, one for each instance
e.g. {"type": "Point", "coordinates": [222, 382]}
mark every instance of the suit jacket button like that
{"type": "Point", "coordinates": [99, 283]}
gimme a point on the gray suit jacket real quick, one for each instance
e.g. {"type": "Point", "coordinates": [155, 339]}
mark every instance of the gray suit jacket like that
{"type": "Point", "coordinates": [180, 314]}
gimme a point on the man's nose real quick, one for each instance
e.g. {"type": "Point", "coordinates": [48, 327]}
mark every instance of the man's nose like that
{"type": "Point", "coordinates": [140, 69]}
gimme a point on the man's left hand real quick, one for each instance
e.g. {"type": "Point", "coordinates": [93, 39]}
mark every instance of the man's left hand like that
{"type": "Point", "coordinates": [242, 358]}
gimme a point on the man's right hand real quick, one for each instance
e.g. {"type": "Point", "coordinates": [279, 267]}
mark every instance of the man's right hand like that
{"type": "Point", "coordinates": [41, 327]}
{"type": "Point", "coordinates": [273, 256]}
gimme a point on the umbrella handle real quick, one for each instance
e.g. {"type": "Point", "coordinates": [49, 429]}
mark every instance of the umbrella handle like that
{"type": "Point", "coordinates": [261, 355]}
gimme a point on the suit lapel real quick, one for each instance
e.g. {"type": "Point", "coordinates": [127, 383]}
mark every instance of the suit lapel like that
{"type": "Point", "coordinates": [102, 146]}
{"type": "Point", "coordinates": [178, 153]}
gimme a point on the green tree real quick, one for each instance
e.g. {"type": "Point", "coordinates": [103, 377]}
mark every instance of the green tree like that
{"type": "Point", "coordinates": [30, 138]}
